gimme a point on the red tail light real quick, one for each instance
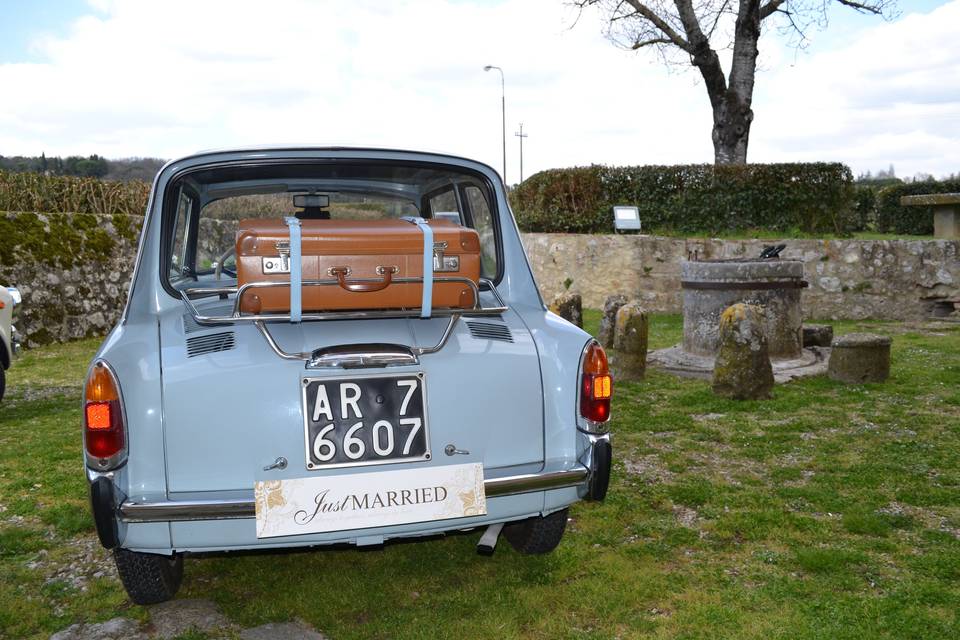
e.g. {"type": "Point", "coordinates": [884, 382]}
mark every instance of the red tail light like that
{"type": "Point", "coordinates": [103, 434]}
{"type": "Point", "coordinates": [596, 386]}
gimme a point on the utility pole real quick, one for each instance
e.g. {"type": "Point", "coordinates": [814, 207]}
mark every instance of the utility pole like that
{"type": "Point", "coordinates": [520, 134]}
{"type": "Point", "coordinates": [503, 116]}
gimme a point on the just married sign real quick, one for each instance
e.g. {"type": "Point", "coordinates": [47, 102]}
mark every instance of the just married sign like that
{"type": "Point", "coordinates": [358, 501]}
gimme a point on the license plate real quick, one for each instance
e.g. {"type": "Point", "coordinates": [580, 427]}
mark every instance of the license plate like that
{"type": "Point", "coordinates": [365, 420]}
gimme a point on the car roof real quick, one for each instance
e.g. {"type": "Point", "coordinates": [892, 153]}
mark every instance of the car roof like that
{"type": "Point", "coordinates": [325, 147]}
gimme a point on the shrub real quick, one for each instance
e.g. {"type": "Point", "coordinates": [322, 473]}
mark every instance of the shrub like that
{"type": "Point", "coordinates": [892, 217]}
{"type": "Point", "coordinates": [864, 207]}
{"type": "Point", "coordinates": [68, 194]}
{"type": "Point", "coordinates": [691, 198]}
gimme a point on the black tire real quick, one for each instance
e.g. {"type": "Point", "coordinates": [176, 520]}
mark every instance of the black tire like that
{"type": "Point", "coordinates": [536, 536]}
{"type": "Point", "coordinates": [3, 381]}
{"type": "Point", "coordinates": [147, 577]}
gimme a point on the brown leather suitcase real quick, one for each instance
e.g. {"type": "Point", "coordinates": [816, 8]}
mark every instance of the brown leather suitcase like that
{"type": "Point", "coordinates": [364, 256]}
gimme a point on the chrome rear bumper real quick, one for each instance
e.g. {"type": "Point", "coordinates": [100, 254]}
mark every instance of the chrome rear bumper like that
{"type": "Point", "coordinates": [184, 510]}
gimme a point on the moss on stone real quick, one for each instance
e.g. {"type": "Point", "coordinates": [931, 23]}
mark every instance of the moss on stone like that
{"type": "Point", "coordinates": [630, 340]}
{"type": "Point", "coordinates": [61, 261]}
{"type": "Point", "coordinates": [742, 370]}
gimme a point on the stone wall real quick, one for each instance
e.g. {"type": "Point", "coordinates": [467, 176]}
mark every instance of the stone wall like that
{"type": "Point", "coordinates": [74, 270]}
{"type": "Point", "coordinates": [852, 279]}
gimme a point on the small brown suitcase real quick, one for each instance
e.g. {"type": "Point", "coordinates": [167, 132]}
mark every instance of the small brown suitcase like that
{"type": "Point", "coordinates": [364, 256]}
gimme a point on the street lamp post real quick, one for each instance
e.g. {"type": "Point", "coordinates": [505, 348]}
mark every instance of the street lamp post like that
{"type": "Point", "coordinates": [503, 116]}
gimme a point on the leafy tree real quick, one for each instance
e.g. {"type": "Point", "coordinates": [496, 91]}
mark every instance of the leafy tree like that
{"type": "Point", "coordinates": [692, 32]}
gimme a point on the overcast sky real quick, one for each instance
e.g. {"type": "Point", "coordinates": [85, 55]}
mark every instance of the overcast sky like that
{"type": "Point", "coordinates": [167, 78]}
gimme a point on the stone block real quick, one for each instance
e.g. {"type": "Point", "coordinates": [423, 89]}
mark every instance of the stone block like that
{"type": "Point", "coordinates": [817, 335]}
{"type": "Point", "coordinates": [114, 629]}
{"type": "Point", "coordinates": [608, 323]}
{"type": "Point", "coordinates": [281, 631]}
{"type": "Point", "coordinates": [175, 618]}
{"type": "Point", "coordinates": [860, 357]}
{"type": "Point", "coordinates": [630, 342]}
{"type": "Point", "coordinates": [742, 370]}
{"type": "Point", "coordinates": [568, 306]}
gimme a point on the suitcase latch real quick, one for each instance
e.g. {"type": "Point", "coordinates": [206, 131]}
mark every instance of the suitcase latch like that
{"type": "Point", "coordinates": [280, 263]}
{"type": "Point", "coordinates": [443, 262]}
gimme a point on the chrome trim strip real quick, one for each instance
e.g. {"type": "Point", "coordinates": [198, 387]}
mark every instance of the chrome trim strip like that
{"type": "Point", "coordinates": [366, 358]}
{"type": "Point", "coordinates": [237, 316]}
{"type": "Point", "coordinates": [443, 338]}
{"type": "Point", "coordinates": [511, 485]}
{"type": "Point", "coordinates": [354, 356]}
{"type": "Point", "coordinates": [185, 510]}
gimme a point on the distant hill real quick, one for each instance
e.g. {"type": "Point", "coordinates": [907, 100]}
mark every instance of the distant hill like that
{"type": "Point", "coordinates": [120, 169]}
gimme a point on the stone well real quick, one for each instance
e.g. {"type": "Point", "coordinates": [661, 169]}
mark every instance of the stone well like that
{"type": "Point", "coordinates": [711, 286]}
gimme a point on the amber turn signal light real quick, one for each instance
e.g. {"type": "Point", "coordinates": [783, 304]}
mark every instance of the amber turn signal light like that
{"type": "Point", "coordinates": [596, 387]}
{"type": "Point", "coordinates": [104, 431]}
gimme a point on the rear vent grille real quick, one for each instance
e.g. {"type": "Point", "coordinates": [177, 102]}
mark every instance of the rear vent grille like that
{"type": "Point", "coordinates": [210, 343]}
{"type": "Point", "coordinates": [490, 331]}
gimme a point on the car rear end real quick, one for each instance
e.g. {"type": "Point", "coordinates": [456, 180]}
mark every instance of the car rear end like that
{"type": "Point", "coordinates": [208, 429]}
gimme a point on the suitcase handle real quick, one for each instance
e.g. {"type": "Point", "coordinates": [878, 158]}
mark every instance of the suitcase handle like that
{"type": "Point", "coordinates": [363, 287]}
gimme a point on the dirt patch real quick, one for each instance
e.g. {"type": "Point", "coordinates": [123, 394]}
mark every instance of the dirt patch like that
{"type": "Point", "coordinates": [721, 463]}
{"type": "Point", "coordinates": [649, 467]}
{"type": "Point", "coordinates": [708, 417]}
{"type": "Point", "coordinates": [928, 518]}
{"type": "Point", "coordinates": [84, 560]}
{"type": "Point", "coordinates": [686, 516]}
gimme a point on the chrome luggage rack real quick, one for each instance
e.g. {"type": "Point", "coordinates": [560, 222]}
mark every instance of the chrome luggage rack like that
{"type": "Point", "coordinates": [342, 356]}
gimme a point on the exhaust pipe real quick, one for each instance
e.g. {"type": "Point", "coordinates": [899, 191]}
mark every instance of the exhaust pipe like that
{"type": "Point", "coordinates": [488, 541]}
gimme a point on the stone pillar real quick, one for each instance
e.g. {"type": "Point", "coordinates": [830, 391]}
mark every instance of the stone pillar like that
{"type": "Point", "coordinates": [630, 342]}
{"type": "Point", "coordinates": [860, 357]}
{"type": "Point", "coordinates": [742, 370]}
{"type": "Point", "coordinates": [946, 222]}
{"type": "Point", "coordinates": [568, 306]}
{"type": "Point", "coordinates": [609, 320]}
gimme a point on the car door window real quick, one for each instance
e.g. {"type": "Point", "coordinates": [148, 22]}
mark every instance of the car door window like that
{"type": "Point", "coordinates": [483, 223]}
{"type": "Point", "coordinates": [444, 206]}
{"type": "Point", "coordinates": [178, 246]}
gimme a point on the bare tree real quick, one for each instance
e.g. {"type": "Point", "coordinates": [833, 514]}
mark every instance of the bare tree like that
{"type": "Point", "coordinates": [692, 31]}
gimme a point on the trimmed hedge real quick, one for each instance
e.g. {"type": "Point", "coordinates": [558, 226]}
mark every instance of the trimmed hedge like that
{"type": "Point", "coordinates": [815, 197]}
{"type": "Point", "coordinates": [865, 206]}
{"type": "Point", "coordinates": [68, 194]}
{"type": "Point", "coordinates": [916, 221]}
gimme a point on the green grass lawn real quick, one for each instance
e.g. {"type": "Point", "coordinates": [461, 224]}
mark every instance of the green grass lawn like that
{"type": "Point", "coordinates": [830, 511]}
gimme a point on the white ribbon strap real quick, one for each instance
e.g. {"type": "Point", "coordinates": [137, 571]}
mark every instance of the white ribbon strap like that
{"type": "Point", "coordinates": [426, 304]}
{"type": "Point", "coordinates": [296, 277]}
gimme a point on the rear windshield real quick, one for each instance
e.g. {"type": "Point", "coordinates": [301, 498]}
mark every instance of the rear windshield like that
{"type": "Point", "coordinates": [203, 208]}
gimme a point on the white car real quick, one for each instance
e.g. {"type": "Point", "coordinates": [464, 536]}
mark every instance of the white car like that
{"type": "Point", "coordinates": [9, 340]}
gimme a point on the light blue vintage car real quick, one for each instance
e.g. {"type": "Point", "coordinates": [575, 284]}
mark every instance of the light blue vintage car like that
{"type": "Point", "coordinates": [208, 428]}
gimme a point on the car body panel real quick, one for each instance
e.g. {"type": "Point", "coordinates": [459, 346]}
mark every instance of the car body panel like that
{"type": "Point", "coordinates": [202, 426]}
